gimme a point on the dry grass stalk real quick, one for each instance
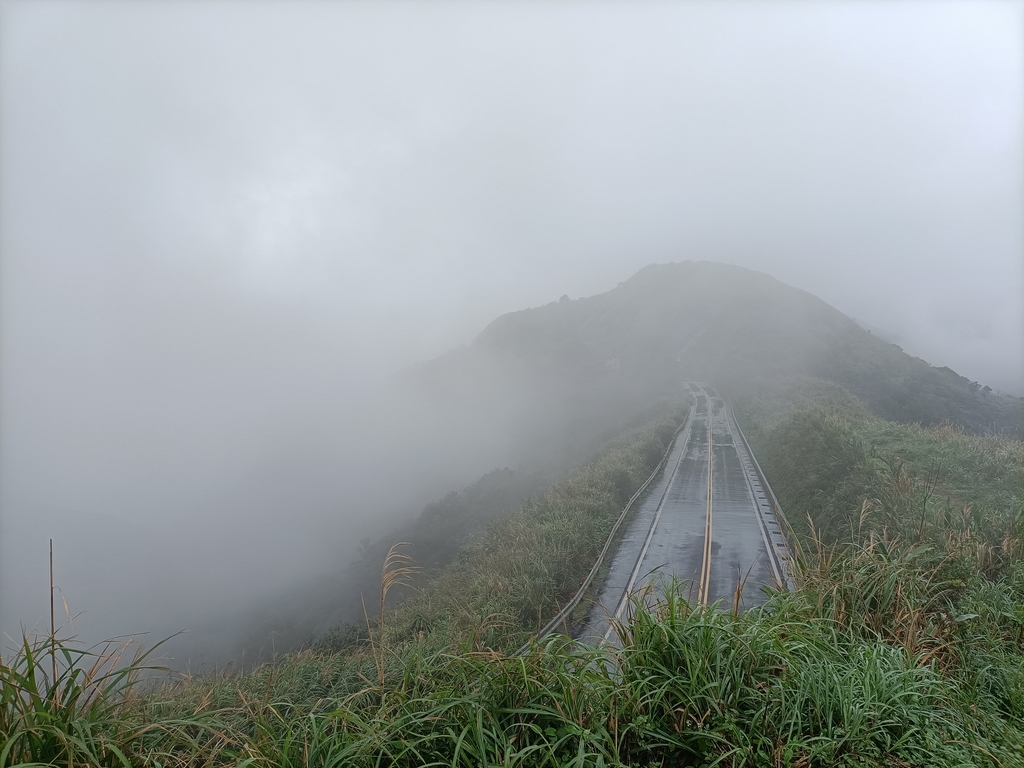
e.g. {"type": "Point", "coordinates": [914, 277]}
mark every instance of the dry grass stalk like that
{"type": "Point", "coordinates": [397, 571]}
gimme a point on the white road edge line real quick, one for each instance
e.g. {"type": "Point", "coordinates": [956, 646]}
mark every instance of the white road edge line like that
{"type": "Point", "coordinates": [650, 534]}
{"type": "Point", "coordinates": [769, 549]}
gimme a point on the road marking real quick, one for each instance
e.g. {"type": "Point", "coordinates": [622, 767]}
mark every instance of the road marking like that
{"type": "Point", "coordinates": [751, 477]}
{"type": "Point", "coordinates": [624, 600]}
{"type": "Point", "coordinates": [705, 567]}
{"type": "Point", "coordinates": [754, 492]}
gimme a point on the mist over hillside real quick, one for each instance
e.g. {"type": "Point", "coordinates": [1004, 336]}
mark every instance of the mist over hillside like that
{"type": "Point", "coordinates": [536, 393]}
{"type": "Point", "coordinates": [242, 243]}
{"type": "Point", "coordinates": [739, 328]}
{"type": "Point", "coordinates": [559, 379]}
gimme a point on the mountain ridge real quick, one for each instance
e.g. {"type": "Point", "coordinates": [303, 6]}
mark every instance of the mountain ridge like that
{"type": "Point", "coordinates": [744, 330]}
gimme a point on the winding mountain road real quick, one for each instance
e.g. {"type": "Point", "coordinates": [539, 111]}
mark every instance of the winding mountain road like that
{"type": "Point", "coordinates": [707, 520]}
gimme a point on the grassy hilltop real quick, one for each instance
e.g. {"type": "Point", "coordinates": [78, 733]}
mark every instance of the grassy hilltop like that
{"type": "Point", "coordinates": [741, 329]}
{"type": "Point", "coordinates": [903, 644]}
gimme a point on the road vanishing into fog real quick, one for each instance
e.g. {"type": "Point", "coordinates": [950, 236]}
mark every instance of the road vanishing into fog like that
{"type": "Point", "coordinates": [707, 520]}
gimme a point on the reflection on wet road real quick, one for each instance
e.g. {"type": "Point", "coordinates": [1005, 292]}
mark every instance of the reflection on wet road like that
{"type": "Point", "coordinates": [706, 520]}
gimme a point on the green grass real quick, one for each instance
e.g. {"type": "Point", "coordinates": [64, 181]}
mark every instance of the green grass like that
{"type": "Point", "coordinates": [689, 688]}
{"type": "Point", "coordinates": [504, 581]}
{"type": "Point", "coordinates": [904, 645]}
{"type": "Point", "coordinates": [61, 704]}
{"type": "Point", "coordinates": [510, 579]}
{"type": "Point", "coordinates": [834, 464]}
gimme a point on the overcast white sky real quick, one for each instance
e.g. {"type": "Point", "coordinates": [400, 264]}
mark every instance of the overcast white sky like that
{"type": "Point", "coordinates": [215, 217]}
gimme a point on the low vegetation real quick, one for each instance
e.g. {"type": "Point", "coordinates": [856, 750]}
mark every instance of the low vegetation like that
{"type": "Point", "coordinates": [902, 646]}
{"type": "Point", "coordinates": [514, 575]}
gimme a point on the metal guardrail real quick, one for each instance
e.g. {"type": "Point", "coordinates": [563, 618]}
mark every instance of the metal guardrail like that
{"type": "Point", "coordinates": [787, 530]}
{"type": "Point", "coordinates": [568, 608]}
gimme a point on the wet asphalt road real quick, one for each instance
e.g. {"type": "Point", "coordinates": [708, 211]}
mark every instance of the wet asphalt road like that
{"type": "Point", "coordinates": [668, 534]}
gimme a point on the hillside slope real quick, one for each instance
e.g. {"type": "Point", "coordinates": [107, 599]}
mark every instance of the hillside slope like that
{"type": "Point", "coordinates": [741, 329]}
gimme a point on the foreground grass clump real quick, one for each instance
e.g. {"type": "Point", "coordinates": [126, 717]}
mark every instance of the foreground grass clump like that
{"type": "Point", "coordinates": [688, 687]}
{"type": "Point", "coordinates": [785, 686]}
{"type": "Point", "coordinates": [903, 646]}
{"type": "Point", "coordinates": [61, 704]}
{"type": "Point", "coordinates": [912, 535]}
{"type": "Point", "coordinates": [782, 686]}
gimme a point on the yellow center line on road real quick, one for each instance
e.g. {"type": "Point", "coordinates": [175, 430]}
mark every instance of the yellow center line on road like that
{"type": "Point", "coordinates": [705, 569]}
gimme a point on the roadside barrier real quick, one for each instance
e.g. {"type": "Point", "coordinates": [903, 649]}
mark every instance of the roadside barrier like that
{"type": "Point", "coordinates": [780, 516]}
{"type": "Point", "coordinates": [568, 608]}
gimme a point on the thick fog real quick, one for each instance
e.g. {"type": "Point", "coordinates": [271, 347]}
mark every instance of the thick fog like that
{"type": "Point", "coordinates": [225, 226]}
